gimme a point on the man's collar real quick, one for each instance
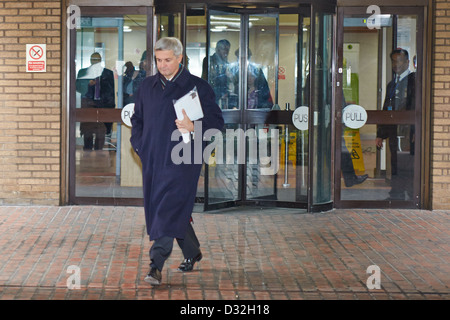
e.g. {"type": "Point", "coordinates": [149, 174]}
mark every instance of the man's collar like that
{"type": "Point", "coordinates": [404, 74]}
{"type": "Point", "coordinates": [180, 76]}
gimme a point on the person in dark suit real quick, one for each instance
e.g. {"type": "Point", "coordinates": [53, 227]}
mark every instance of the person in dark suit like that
{"type": "Point", "coordinates": [169, 188]}
{"type": "Point", "coordinates": [400, 96]}
{"type": "Point", "coordinates": [216, 74]}
{"type": "Point", "coordinates": [96, 85]}
{"type": "Point", "coordinates": [258, 91]}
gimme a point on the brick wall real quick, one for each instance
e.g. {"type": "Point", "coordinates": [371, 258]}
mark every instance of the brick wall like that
{"type": "Point", "coordinates": [30, 104]}
{"type": "Point", "coordinates": [441, 107]}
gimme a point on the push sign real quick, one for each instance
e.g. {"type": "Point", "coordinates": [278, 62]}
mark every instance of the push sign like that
{"type": "Point", "coordinates": [354, 116]}
{"type": "Point", "coordinates": [300, 118]}
{"type": "Point", "coordinates": [127, 113]}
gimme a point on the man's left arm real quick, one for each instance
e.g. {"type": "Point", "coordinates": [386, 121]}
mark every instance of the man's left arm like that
{"type": "Point", "coordinates": [212, 114]}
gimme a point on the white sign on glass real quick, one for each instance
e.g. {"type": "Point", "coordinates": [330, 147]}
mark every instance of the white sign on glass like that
{"type": "Point", "coordinates": [354, 116]}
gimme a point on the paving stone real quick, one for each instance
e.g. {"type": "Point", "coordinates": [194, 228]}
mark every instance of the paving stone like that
{"type": "Point", "coordinates": [249, 254]}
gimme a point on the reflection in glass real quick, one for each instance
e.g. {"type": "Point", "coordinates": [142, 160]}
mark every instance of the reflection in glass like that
{"type": "Point", "coordinates": [223, 173]}
{"type": "Point", "coordinates": [219, 68]}
{"type": "Point", "coordinates": [96, 86]}
{"type": "Point", "coordinates": [110, 65]}
{"type": "Point", "coordinates": [262, 75]}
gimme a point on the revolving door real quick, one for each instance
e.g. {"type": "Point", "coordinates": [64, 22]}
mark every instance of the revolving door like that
{"type": "Point", "coordinates": [271, 70]}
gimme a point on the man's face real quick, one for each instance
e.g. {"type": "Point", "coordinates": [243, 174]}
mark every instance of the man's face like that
{"type": "Point", "coordinates": [96, 58]}
{"type": "Point", "coordinates": [167, 62]}
{"type": "Point", "coordinates": [222, 51]}
{"type": "Point", "coordinates": [399, 63]}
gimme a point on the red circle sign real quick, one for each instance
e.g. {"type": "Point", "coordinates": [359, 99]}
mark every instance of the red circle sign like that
{"type": "Point", "coordinates": [36, 52]}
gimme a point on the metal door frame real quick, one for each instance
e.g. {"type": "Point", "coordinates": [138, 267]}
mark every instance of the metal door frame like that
{"type": "Point", "coordinates": [95, 115]}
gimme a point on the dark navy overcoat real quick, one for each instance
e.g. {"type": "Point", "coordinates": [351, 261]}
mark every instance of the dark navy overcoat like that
{"type": "Point", "coordinates": [169, 188]}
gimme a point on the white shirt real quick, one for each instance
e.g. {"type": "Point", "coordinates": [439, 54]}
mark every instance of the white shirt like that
{"type": "Point", "coordinates": [403, 75]}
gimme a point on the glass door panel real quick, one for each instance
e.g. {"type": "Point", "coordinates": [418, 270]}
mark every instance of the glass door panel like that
{"type": "Point", "coordinates": [221, 68]}
{"type": "Point", "coordinates": [258, 66]}
{"type": "Point", "coordinates": [110, 64]}
{"type": "Point", "coordinates": [262, 85]}
{"type": "Point", "coordinates": [262, 63]}
{"type": "Point", "coordinates": [379, 74]}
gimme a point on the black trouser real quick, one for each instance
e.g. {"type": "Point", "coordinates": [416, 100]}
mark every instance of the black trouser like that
{"type": "Point", "coordinates": [403, 178]}
{"type": "Point", "coordinates": [162, 248]}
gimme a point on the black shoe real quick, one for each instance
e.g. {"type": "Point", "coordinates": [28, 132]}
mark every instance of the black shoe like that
{"type": "Point", "coordinates": [395, 198]}
{"type": "Point", "coordinates": [154, 277]}
{"type": "Point", "coordinates": [188, 264]}
{"type": "Point", "coordinates": [355, 180]}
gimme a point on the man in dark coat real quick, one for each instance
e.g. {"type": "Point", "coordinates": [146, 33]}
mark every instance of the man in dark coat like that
{"type": "Point", "coordinates": [169, 188]}
{"type": "Point", "coordinates": [217, 72]}
{"type": "Point", "coordinates": [400, 96]}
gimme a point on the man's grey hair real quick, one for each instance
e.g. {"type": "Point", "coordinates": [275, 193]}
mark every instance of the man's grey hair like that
{"type": "Point", "coordinates": [170, 43]}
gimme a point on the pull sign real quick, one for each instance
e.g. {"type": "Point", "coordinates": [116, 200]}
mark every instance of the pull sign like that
{"type": "Point", "coordinates": [354, 116]}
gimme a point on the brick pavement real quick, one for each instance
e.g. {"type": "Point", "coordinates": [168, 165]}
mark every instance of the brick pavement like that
{"type": "Point", "coordinates": [249, 254]}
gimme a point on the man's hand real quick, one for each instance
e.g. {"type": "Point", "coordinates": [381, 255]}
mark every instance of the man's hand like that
{"type": "Point", "coordinates": [379, 143]}
{"type": "Point", "coordinates": [185, 125]}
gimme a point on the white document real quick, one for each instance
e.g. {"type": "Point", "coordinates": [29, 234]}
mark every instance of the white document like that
{"type": "Point", "coordinates": [190, 102]}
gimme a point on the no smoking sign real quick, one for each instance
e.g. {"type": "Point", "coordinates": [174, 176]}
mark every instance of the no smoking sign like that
{"type": "Point", "coordinates": [36, 58]}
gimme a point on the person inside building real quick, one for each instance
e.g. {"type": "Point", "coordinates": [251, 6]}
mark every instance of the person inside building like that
{"type": "Point", "coordinates": [142, 73]}
{"type": "Point", "coordinates": [216, 74]}
{"type": "Point", "coordinates": [258, 92]}
{"type": "Point", "coordinates": [96, 85]}
{"type": "Point", "coordinates": [400, 96]}
{"type": "Point", "coordinates": [128, 78]}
